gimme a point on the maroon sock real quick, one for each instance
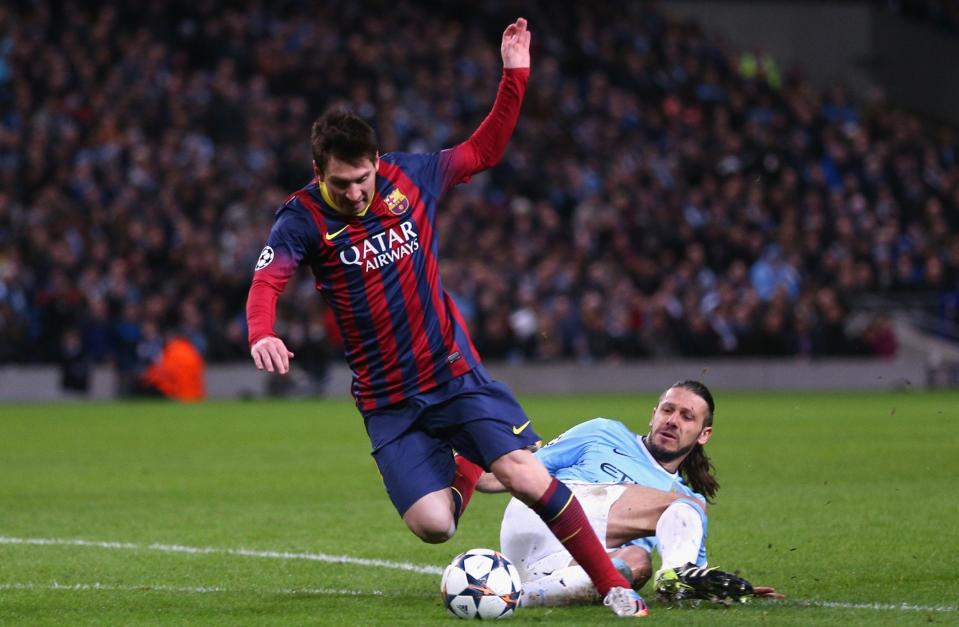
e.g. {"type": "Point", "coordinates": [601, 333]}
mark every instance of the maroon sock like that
{"type": "Point", "coordinates": [464, 484]}
{"type": "Point", "coordinates": [565, 517]}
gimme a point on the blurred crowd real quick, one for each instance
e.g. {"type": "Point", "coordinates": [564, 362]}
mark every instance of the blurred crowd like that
{"type": "Point", "coordinates": [662, 195]}
{"type": "Point", "coordinates": [941, 15]}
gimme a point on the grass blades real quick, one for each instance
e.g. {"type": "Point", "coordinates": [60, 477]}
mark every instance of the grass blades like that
{"type": "Point", "coordinates": [272, 513]}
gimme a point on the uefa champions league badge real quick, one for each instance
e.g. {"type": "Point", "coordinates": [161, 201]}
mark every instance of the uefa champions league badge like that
{"type": "Point", "coordinates": [266, 258]}
{"type": "Point", "coordinates": [397, 203]}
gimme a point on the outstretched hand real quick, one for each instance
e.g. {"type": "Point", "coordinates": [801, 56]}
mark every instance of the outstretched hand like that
{"type": "Point", "coordinates": [515, 46]}
{"type": "Point", "coordinates": [767, 592]}
{"type": "Point", "coordinates": [270, 354]}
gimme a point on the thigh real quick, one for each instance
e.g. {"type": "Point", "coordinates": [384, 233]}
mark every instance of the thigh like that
{"type": "Point", "coordinates": [531, 546]}
{"type": "Point", "coordinates": [483, 423]}
{"type": "Point", "coordinates": [525, 539]}
{"type": "Point", "coordinates": [597, 501]}
{"type": "Point", "coordinates": [413, 465]}
{"type": "Point", "coordinates": [635, 513]}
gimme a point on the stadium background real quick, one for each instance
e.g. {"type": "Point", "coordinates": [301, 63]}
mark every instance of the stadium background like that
{"type": "Point", "coordinates": [765, 200]}
{"type": "Point", "coordinates": [700, 185]}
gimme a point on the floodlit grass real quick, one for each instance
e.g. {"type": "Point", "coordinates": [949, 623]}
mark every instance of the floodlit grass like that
{"type": "Point", "coordinates": [842, 501]}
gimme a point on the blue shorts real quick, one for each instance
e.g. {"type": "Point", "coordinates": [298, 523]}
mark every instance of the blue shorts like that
{"type": "Point", "coordinates": [413, 440]}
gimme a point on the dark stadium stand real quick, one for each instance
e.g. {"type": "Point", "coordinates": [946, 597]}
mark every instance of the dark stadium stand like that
{"type": "Point", "coordinates": [661, 197]}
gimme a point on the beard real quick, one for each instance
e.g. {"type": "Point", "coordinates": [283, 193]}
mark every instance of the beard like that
{"type": "Point", "coordinates": [663, 456]}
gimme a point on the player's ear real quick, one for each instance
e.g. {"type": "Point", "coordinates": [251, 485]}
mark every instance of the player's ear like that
{"type": "Point", "coordinates": [317, 172]}
{"type": "Point", "coordinates": [704, 436]}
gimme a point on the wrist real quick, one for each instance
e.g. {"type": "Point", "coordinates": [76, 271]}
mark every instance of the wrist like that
{"type": "Point", "coordinates": [256, 341]}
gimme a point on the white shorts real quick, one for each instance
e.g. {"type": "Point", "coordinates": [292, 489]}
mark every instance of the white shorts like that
{"type": "Point", "coordinates": [527, 542]}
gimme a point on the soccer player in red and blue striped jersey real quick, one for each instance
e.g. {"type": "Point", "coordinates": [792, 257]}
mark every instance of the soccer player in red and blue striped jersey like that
{"type": "Point", "coordinates": [366, 228]}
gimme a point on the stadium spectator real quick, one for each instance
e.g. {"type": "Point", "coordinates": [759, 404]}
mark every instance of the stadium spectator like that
{"type": "Point", "coordinates": [177, 372]}
{"type": "Point", "coordinates": [139, 147]}
{"type": "Point", "coordinates": [366, 228]}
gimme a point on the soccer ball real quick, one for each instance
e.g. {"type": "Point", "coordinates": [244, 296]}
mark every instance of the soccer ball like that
{"type": "Point", "coordinates": [480, 583]}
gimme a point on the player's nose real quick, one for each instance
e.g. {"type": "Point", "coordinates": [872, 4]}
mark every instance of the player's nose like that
{"type": "Point", "coordinates": [354, 193]}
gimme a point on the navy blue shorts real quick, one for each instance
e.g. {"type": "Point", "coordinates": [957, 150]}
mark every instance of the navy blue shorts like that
{"type": "Point", "coordinates": [413, 440]}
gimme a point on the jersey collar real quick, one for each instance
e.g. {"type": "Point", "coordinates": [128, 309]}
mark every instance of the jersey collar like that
{"type": "Point", "coordinates": [329, 200]}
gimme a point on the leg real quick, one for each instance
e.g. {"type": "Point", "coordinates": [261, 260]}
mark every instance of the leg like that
{"type": "Point", "coordinates": [570, 585]}
{"type": "Point", "coordinates": [528, 480]}
{"type": "Point", "coordinates": [523, 475]}
{"type": "Point", "coordinates": [638, 561]}
{"type": "Point", "coordinates": [464, 484]}
{"type": "Point", "coordinates": [636, 513]}
{"type": "Point", "coordinates": [417, 470]}
{"type": "Point", "coordinates": [431, 517]}
{"type": "Point", "coordinates": [492, 429]}
{"type": "Point", "coordinates": [681, 533]}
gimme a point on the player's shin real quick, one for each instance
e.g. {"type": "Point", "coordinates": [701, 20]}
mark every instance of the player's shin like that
{"type": "Point", "coordinates": [564, 516]}
{"type": "Point", "coordinates": [464, 484]}
{"type": "Point", "coordinates": [564, 586]}
{"type": "Point", "coordinates": [680, 534]}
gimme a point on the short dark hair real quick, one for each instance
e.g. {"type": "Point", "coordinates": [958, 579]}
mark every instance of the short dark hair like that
{"type": "Point", "coordinates": [342, 134]}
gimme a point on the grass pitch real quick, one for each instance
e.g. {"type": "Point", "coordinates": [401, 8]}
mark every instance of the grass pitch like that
{"type": "Point", "coordinates": [272, 513]}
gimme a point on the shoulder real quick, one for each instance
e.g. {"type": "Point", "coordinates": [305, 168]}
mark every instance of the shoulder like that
{"type": "Point", "coordinates": [408, 161]}
{"type": "Point", "coordinates": [298, 212]}
{"type": "Point", "coordinates": [597, 427]}
{"type": "Point", "coordinates": [608, 425]}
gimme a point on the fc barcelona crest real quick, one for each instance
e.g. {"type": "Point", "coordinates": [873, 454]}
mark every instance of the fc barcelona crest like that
{"type": "Point", "coordinates": [397, 203]}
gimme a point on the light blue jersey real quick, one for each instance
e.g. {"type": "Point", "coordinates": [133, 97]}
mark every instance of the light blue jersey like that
{"type": "Point", "coordinates": [607, 451]}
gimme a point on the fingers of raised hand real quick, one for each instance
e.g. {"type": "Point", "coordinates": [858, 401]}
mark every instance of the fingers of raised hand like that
{"type": "Point", "coordinates": [515, 31]}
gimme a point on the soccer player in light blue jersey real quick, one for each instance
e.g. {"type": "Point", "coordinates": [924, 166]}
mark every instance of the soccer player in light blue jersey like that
{"type": "Point", "coordinates": [639, 493]}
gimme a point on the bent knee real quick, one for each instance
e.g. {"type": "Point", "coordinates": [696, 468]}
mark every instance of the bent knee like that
{"type": "Point", "coordinates": [433, 530]}
{"type": "Point", "coordinates": [434, 536]}
{"type": "Point", "coordinates": [639, 562]}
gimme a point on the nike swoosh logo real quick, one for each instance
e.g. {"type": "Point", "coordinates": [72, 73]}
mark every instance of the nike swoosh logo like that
{"type": "Point", "coordinates": [330, 236]}
{"type": "Point", "coordinates": [520, 429]}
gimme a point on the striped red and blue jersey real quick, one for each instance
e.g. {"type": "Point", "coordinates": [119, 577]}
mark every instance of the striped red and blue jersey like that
{"type": "Point", "coordinates": [378, 271]}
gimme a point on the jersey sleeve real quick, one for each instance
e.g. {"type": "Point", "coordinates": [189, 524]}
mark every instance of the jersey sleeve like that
{"type": "Point", "coordinates": [487, 144]}
{"type": "Point", "coordinates": [292, 239]}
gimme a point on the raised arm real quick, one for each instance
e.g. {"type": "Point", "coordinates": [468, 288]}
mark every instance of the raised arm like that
{"type": "Point", "coordinates": [486, 145]}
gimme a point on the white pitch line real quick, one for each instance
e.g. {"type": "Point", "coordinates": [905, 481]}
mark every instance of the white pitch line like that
{"type": "Point", "coordinates": [346, 559]}
{"type": "Point", "coordinates": [282, 555]}
{"type": "Point", "coordinates": [908, 607]}
{"type": "Point", "coordinates": [178, 589]}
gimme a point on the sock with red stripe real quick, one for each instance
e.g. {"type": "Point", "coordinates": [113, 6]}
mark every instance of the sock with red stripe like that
{"type": "Point", "coordinates": [464, 484]}
{"type": "Point", "coordinates": [564, 516]}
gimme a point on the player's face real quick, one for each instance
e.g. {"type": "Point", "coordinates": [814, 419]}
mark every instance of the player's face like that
{"type": "Point", "coordinates": [678, 425]}
{"type": "Point", "coordinates": [351, 185]}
